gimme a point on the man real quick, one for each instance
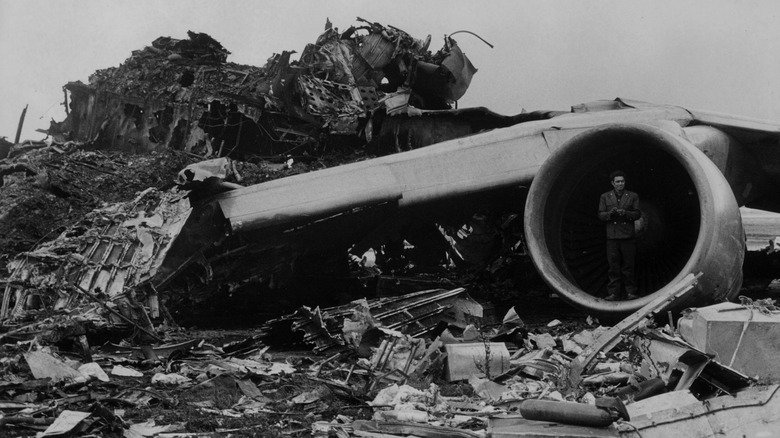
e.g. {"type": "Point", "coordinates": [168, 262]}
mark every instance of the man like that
{"type": "Point", "coordinates": [619, 208]}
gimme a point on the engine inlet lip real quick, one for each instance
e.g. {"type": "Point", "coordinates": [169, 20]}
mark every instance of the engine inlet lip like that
{"type": "Point", "coordinates": [712, 200]}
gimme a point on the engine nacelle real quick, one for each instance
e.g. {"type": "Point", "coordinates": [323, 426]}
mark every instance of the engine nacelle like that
{"type": "Point", "coordinates": [691, 221]}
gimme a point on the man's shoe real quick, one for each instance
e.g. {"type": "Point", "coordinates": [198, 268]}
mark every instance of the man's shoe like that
{"type": "Point", "coordinates": [612, 297]}
{"type": "Point", "coordinates": [632, 297]}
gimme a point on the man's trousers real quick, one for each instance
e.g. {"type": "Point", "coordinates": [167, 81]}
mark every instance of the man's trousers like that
{"type": "Point", "coordinates": [620, 256]}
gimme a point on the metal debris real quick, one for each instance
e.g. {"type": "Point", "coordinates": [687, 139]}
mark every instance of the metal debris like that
{"type": "Point", "coordinates": [417, 314]}
{"type": "Point", "coordinates": [431, 362]}
{"type": "Point", "coordinates": [742, 336]}
{"type": "Point", "coordinates": [184, 95]}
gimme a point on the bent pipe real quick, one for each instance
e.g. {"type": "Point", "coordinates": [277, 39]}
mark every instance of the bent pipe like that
{"type": "Point", "coordinates": [690, 219]}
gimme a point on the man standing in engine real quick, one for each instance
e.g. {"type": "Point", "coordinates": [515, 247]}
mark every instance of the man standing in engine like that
{"type": "Point", "coordinates": [619, 208]}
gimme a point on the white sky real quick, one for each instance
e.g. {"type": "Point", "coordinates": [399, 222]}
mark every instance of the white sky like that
{"type": "Point", "coordinates": [714, 55]}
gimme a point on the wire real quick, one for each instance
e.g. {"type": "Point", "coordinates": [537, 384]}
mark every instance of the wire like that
{"type": "Point", "coordinates": [472, 33]}
{"type": "Point", "coordinates": [47, 110]}
{"type": "Point", "coordinates": [634, 427]}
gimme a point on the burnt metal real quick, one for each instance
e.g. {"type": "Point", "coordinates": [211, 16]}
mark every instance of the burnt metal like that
{"type": "Point", "coordinates": [184, 94]}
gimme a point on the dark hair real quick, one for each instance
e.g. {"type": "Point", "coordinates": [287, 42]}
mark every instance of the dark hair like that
{"type": "Point", "coordinates": [615, 174]}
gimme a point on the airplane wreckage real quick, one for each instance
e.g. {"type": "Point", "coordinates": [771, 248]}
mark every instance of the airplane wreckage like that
{"type": "Point", "coordinates": [378, 90]}
{"type": "Point", "coordinates": [181, 186]}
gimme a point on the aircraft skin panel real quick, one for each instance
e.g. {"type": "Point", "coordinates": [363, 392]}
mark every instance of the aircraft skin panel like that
{"type": "Point", "coordinates": [735, 122]}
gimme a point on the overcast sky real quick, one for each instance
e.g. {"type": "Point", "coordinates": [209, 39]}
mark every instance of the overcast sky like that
{"type": "Point", "coordinates": [715, 55]}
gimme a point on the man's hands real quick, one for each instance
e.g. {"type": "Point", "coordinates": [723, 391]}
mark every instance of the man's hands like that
{"type": "Point", "coordinates": [617, 212]}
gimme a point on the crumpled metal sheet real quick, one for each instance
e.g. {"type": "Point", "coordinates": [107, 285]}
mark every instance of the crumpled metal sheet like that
{"type": "Point", "coordinates": [338, 105]}
{"type": "Point", "coordinates": [330, 57]}
{"type": "Point", "coordinates": [113, 248]}
{"type": "Point", "coordinates": [462, 71]}
{"type": "Point", "coordinates": [447, 79]}
{"type": "Point", "coordinates": [200, 171]}
{"type": "Point", "coordinates": [415, 314]}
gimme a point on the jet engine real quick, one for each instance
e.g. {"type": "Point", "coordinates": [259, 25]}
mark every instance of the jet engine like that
{"type": "Point", "coordinates": [690, 218]}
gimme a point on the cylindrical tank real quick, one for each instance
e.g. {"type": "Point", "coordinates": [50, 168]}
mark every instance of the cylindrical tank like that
{"type": "Point", "coordinates": [580, 414]}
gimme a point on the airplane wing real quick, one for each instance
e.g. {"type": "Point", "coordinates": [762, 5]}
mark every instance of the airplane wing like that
{"type": "Point", "coordinates": [692, 170]}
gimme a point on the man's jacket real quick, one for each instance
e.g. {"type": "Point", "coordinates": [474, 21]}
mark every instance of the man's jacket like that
{"type": "Point", "coordinates": [619, 226]}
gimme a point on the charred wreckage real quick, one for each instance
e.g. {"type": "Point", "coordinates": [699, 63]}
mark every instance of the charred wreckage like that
{"type": "Point", "coordinates": [371, 89]}
{"type": "Point", "coordinates": [354, 162]}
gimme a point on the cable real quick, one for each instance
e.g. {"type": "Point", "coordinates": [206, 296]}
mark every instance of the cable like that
{"type": "Point", "coordinates": [472, 33]}
{"type": "Point", "coordinates": [634, 427]}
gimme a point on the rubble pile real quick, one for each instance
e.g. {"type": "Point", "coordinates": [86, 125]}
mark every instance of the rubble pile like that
{"type": "Point", "coordinates": [78, 220]}
{"type": "Point", "coordinates": [48, 187]}
{"type": "Point", "coordinates": [152, 72]}
{"type": "Point", "coordinates": [386, 372]}
{"type": "Point", "coordinates": [184, 95]}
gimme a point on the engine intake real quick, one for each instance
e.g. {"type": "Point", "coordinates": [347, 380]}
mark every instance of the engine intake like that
{"type": "Point", "coordinates": [691, 221]}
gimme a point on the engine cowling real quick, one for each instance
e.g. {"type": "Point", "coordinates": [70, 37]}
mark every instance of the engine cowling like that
{"type": "Point", "coordinates": [690, 219]}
